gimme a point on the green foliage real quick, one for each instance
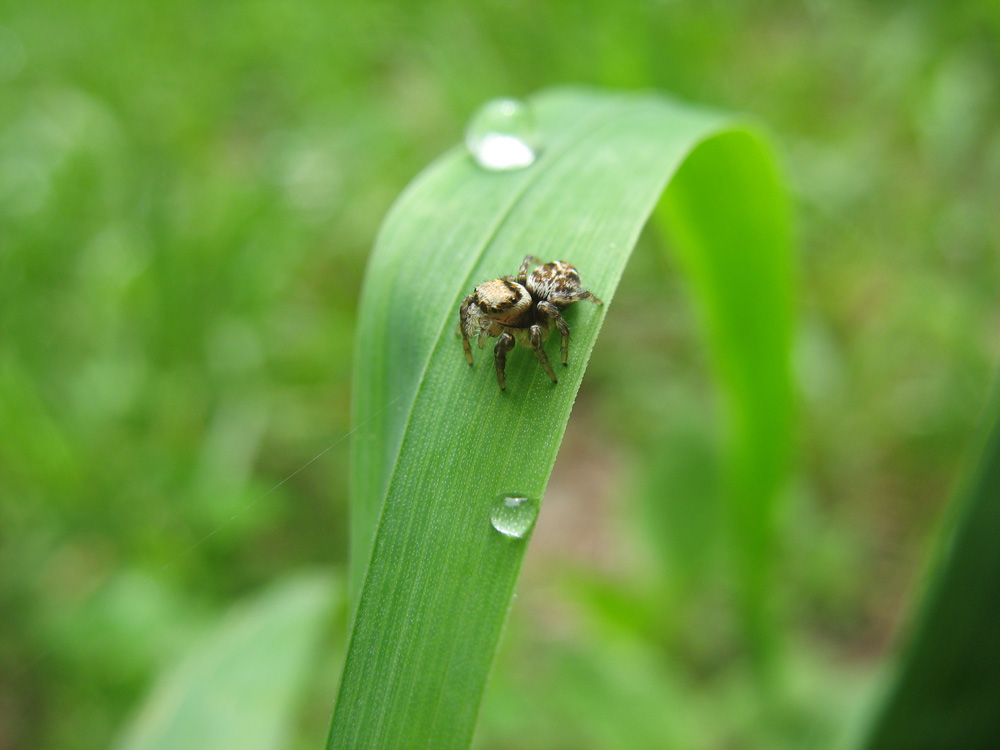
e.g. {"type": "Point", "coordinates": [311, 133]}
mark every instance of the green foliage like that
{"type": "Point", "coordinates": [188, 197]}
{"type": "Point", "coordinates": [238, 686]}
{"type": "Point", "coordinates": [947, 688]}
{"type": "Point", "coordinates": [445, 442]}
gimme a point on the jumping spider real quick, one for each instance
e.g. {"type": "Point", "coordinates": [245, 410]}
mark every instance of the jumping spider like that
{"type": "Point", "coordinates": [522, 308]}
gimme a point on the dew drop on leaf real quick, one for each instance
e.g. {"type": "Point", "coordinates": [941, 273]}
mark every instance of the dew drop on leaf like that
{"type": "Point", "coordinates": [514, 516]}
{"type": "Point", "coordinates": [501, 135]}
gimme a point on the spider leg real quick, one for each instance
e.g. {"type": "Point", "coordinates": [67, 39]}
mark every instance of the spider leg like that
{"type": "Point", "coordinates": [522, 272]}
{"type": "Point", "coordinates": [566, 298]}
{"type": "Point", "coordinates": [504, 344]}
{"type": "Point", "coordinates": [553, 312]}
{"type": "Point", "coordinates": [535, 338]}
{"type": "Point", "coordinates": [463, 316]}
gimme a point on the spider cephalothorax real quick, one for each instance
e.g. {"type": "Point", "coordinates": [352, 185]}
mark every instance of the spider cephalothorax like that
{"type": "Point", "coordinates": [522, 308]}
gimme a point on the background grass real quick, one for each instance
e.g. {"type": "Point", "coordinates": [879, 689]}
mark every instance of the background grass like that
{"type": "Point", "coordinates": [188, 194]}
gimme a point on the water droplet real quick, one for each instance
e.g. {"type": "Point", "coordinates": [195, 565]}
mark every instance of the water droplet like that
{"type": "Point", "coordinates": [514, 516]}
{"type": "Point", "coordinates": [501, 135]}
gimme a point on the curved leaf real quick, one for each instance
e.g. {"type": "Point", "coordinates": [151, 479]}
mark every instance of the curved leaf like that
{"type": "Point", "coordinates": [237, 687]}
{"type": "Point", "coordinates": [437, 442]}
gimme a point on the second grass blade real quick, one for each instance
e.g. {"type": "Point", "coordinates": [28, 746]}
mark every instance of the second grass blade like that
{"type": "Point", "coordinates": [946, 689]}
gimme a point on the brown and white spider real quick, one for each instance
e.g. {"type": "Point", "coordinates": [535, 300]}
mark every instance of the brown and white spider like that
{"type": "Point", "coordinates": [522, 308]}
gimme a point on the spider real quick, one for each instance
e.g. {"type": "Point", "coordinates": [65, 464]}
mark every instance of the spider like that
{"type": "Point", "coordinates": [522, 308]}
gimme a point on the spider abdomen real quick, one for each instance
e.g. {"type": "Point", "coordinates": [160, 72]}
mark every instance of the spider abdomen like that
{"type": "Point", "coordinates": [555, 282]}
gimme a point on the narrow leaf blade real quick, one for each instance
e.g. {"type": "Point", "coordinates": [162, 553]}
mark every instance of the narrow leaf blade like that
{"type": "Point", "coordinates": [946, 691]}
{"type": "Point", "coordinates": [237, 687]}
{"type": "Point", "coordinates": [438, 442]}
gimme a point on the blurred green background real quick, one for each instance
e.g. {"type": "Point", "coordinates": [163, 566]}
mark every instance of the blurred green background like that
{"type": "Point", "coordinates": [188, 192]}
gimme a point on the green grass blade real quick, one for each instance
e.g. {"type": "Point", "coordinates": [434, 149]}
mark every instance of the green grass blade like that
{"type": "Point", "coordinates": [745, 297]}
{"type": "Point", "coordinates": [437, 441]}
{"type": "Point", "coordinates": [237, 687]}
{"type": "Point", "coordinates": [947, 689]}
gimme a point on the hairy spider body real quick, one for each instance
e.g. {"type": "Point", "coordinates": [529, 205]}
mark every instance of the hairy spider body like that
{"type": "Point", "coordinates": [522, 308]}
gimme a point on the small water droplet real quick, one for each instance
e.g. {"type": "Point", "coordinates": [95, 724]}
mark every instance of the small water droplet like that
{"type": "Point", "coordinates": [514, 515]}
{"type": "Point", "coordinates": [501, 135]}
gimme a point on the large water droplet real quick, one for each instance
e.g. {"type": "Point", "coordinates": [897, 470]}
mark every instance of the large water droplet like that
{"type": "Point", "coordinates": [501, 135]}
{"type": "Point", "coordinates": [514, 516]}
